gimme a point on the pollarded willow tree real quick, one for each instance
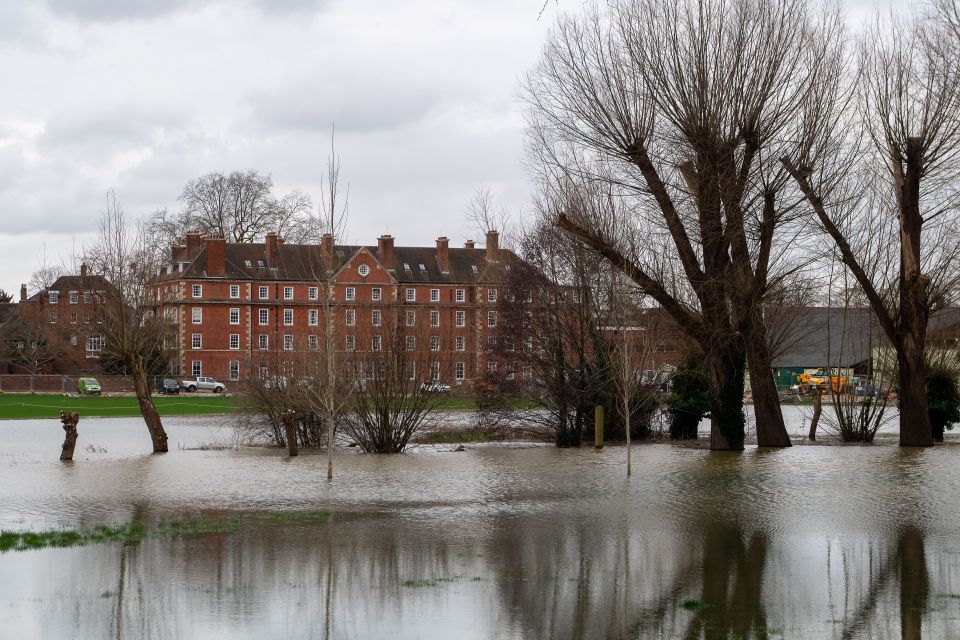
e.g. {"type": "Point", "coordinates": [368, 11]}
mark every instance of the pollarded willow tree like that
{"type": "Point", "coordinates": [121, 267]}
{"type": "Point", "coordinates": [894, 216]}
{"type": "Point", "coordinates": [657, 128]}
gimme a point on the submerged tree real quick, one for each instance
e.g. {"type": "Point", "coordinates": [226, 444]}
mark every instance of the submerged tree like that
{"type": "Point", "coordinates": [893, 215]}
{"type": "Point", "coordinates": [654, 127]}
{"type": "Point", "coordinates": [120, 268]}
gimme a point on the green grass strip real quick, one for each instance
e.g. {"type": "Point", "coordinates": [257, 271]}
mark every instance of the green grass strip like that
{"type": "Point", "coordinates": [134, 532]}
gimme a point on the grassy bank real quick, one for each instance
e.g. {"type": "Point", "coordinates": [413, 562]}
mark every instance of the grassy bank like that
{"type": "Point", "coordinates": [25, 405]}
{"type": "Point", "coordinates": [133, 532]}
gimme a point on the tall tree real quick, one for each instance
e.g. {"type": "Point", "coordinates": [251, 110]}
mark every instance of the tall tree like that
{"type": "Point", "coordinates": [133, 335]}
{"type": "Point", "coordinates": [239, 206]}
{"type": "Point", "coordinates": [654, 124]}
{"type": "Point", "coordinates": [894, 216]}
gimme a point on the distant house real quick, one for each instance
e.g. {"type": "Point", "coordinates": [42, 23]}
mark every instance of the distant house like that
{"type": "Point", "coordinates": [810, 338]}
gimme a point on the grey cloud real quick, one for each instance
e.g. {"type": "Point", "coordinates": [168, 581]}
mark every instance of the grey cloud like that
{"type": "Point", "coordinates": [374, 105]}
{"type": "Point", "coordinates": [126, 10]}
{"type": "Point", "coordinates": [106, 129]}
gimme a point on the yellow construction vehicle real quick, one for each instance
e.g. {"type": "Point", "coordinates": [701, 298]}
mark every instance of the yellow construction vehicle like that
{"type": "Point", "coordinates": [824, 380]}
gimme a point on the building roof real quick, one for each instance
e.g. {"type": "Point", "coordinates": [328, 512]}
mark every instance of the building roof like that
{"type": "Point", "coordinates": [76, 283]}
{"type": "Point", "coordinates": [813, 337]}
{"type": "Point", "coordinates": [302, 262]}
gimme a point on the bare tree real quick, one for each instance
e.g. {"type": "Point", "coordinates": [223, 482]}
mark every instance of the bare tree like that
{"type": "Point", "coordinates": [676, 110]}
{"type": "Point", "coordinates": [239, 206]}
{"type": "Point", "coordinates": [131, 332]}
{"type": "Point", "coordinates": [392, 395]}
{"type": "Point", "coordinates": [894, 215]}
{"type": "Point", "coordinates": [484, 215]}
{"type": "Point", "coordinates": [31, 342]}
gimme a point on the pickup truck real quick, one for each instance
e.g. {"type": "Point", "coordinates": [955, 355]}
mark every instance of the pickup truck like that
{"type": "Point", "coordinates": [203, 383]}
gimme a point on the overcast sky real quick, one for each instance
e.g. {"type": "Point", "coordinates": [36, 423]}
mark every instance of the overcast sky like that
{"type": "Point", "coordinates": [140, 96]}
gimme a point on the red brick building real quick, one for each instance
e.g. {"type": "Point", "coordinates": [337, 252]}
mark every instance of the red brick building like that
{"type": "Point", "coordinates": [235, 309]}
{"type": "Point", "coordinates": [55, 330]}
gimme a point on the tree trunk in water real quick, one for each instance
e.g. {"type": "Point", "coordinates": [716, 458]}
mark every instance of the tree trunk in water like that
{"type": "Point", "coordinates": [69, 420]}
{"type": "Point", "coordinates": [771, 431]}
{"type": "Point", "coordinates": [149, 412]}
{"type": "Point", "coordinates": [915, 429]}
{"type": "Point", "coordinates": [290, 429]}
{"type": "Point", "coordinates": [725, 373]}
{"type": "Point", "coordinates": [817, 409]}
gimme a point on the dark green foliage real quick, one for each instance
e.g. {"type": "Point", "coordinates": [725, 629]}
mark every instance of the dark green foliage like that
{"type": "Point", "coordinates": [689, 399]}
{"type": "Point", "coordinates": [943, 397]}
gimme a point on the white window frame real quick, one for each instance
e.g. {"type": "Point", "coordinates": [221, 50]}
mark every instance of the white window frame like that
{"type": "Point", "coordinates": [313, 343]}
{"type": "Point", "coordinates": [363, 270]}
{"type": "Point", "coordinates": [376, 294]}
{"type": "Point", "coordinates": [351, 317]}
{"type": "Point", "coordinates": [287, 342]}
{"type": "Point", "coordinates": [434, 370]}
{"type": "Point", "coordinates": [491, 318]}
{"type": "Point", "coordinates": [460, 343]}
{"type": "Point", "coordinates": [233, 371]}
{"type": "Point", "coordinates": [461, 318]}
{"type": "Point", "coordinates": [288, 293]}
{"type": "Point", "coordinates": [288, 317]}
{"type": "Point", "coordinates": [434, 343]}
{"type": "Point", "coordinates": [434, 295]}
{"type": "Point", "coordinates": [491, 366]}
{"type": "Point", "coordinates": [461, 295]}
{"type": "Point", "coordinates": [411, 294]}
{"type": "Point", "coordinates": [410, 318]}
{"type": "Point", "coordinates": [263, 315]}
{"type": "Point", "coordinates": [263, 341]}
{"type": "Point", "coordinates": [491, 295]}
{"type": "Point", "coordinates": [313, 317]}
{"type": "Point", "coordinates": [264, 292]}
{"type": "Point", "coordinates": [350, 342]}
{"type": "Point", "coordinates": [313, 293]}
{"type": "Point", "coordinates": [234, 339]}
{"type": "Point", "coordinates": [196, 291]}
{"type": "Point", "coordinates": [434, 318]}
{"type": "Point", "coordinates": [196, 341]}
{"type": "Point", "coordinates": [234, 313]}
{"type": "Point", "coordinates": [196, 368]}
{"type": "Point", "coordinates": [235, 292]}
{"type": "Point", "coordinates": [410, 343]}
{"type": "Point", "coordinates": [376, 343]}
{"type": "Point", "coordinates": [196, 315]}
{"type": "Point", "coordinates": [53, 297]}
{"type": "Point", "coordinates": [460, 372]}
{"type": "Point", "coordinates": [75, 296]}
{"type": "Point", "coordinates": [350, 294]}
{"type": "Point", "coordinates": [376, 317]}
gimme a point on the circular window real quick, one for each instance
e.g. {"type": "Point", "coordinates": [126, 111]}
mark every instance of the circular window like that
{"type": "Point", "coordinates": [364, 270]}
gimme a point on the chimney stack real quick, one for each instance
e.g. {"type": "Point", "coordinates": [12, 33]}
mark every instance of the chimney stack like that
{"type": "Point", "coordinates": [23, 293]}
{"type": "Point", "coordinates": [326, 250]}
{"type": "Point", "coordinates": [443, 254]}
{"type": "Point", "coordinates": [385, 251]}
{"type": "Point", "coordinates": [493, 246]}
{"type": "Point", "coordinates": [176, 252]}
{"type": "Point", "coordinates": [194, 244]}
{"type": "Point", "coordinates": [272, 249]}
{"type": "Point", "coordinates": [83, 270]}
{"type": "Point", "coordinates": [215, 257]}
{"type": "Point", "coordinates": [469, 244]}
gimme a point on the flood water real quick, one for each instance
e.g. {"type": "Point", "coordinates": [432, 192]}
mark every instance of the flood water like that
{"type": "Point", "coordinates": [493, 542]}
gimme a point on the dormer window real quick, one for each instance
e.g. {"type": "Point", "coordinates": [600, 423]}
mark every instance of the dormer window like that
{"type": "Point", "coordinates": [423, 268]}
{"type": "Point", "coordinates": [474, 268]}
{"type": "Point", "coordinates": [364, 270]}
{"type": "Point", "coordinates": [247, 264]}
{"type": "Point", "coordinates": [406, 266]}
{"type": "Point", "coordinates": [260, 264]}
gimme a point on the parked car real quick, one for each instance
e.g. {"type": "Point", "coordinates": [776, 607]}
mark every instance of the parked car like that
{"type": "Point", "coordinates": [436, 387]}
{"type": "Point", "coordinates": [89, 386]}
{"type": "Point", "coordinates": [203, 383]}
{"type": "Point", "coordinates": [168, 386]}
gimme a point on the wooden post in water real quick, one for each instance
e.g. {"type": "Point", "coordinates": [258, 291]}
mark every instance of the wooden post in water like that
{"type": "Point", "coordinates": [598, 427]}
{"type": "Point", "coordinates": [69, 420]}
{"type": "Point", "coordinates": [290, 425]}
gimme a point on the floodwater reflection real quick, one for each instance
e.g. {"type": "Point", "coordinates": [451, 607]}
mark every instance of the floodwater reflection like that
{"type": "Point", "coordinates": [814, 542]}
